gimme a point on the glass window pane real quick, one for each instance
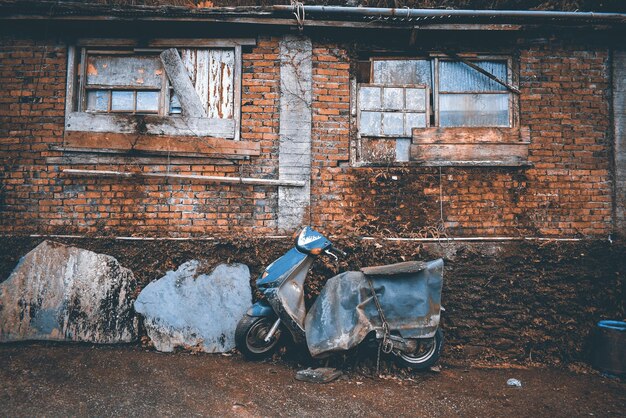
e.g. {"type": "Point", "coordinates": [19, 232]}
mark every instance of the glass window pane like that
{"type": "Point", "coordinates": [370, 124]}
{"type": "Point", "coordinates": [473, 110]}
{"type": "Point", "coordinates": [147, 101]}
{"type": "Point", "coordinates": [393, 98]}
{"type": "Point", "coordinates": [369, 98]}
{"type": "Point", "coordinates": [413, 120]}
{"type": "Point", "coordinates": [393, 123]}
{"type": "Point", "coordinates": [455, 76]}
{"type": "Point", "coordinates": [402, 72]}
{"type": "Point", "coordinates": [98, 100]}
{"type": "Point", "coordinates": [416, 99]}
{"type": "Point", "coordinates": [175, 108]}
{"type": "Point", "coordinates": [123, 101]}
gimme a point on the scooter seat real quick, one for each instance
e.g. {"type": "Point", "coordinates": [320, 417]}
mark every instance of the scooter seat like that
{"type": "Point", "coordinates": [407, 267]}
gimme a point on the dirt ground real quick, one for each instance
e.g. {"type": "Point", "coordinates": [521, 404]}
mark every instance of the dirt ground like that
{"type": "Point", "coordinates": [42, 379]}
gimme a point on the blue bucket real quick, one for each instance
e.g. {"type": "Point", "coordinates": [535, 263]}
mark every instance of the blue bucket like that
{"type": "Point", "coordinates": [608, 353]}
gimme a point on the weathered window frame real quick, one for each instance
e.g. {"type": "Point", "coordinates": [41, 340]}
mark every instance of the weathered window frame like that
{"type": "Point", "coordinates": [451, 145]}
{"type": "Point", "coordinates": [150, 124]}
{"type": "Point", "coordinates": [512, 79]}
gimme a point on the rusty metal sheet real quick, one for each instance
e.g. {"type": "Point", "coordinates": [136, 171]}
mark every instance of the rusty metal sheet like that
{"type": "Point", "coordinates": [345, 312]}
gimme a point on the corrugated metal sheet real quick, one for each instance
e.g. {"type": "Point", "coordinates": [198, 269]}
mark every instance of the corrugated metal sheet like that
{"type": "Point", "coordinates": [473, 110]}
{"type": "Point", "coordinates": [455, 76]}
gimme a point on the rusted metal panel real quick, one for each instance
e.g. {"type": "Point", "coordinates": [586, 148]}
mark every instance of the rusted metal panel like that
{"type": "Point", "coordinates": [124, 71]}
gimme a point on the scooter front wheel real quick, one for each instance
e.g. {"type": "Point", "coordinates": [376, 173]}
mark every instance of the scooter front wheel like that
{"type": "Point", "coordinates": [426, 355]}
{"type": "Point", "coordinates": [250, 337]}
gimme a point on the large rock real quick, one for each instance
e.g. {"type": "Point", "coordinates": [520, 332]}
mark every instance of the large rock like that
{"type": "Point", "coordinates": [63, 293]}
{"type": "Point", "coordinates": [185, 309]}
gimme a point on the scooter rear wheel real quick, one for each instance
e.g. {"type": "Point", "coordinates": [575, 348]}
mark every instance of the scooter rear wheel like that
{"type": "Point", "coordinates": [427, 355]}
{"type": "Point", "coordinates": [250, 337]}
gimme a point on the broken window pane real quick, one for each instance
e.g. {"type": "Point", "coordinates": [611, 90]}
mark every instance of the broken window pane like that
{"type": "Point", "coordinates": [123, 101]}
{"type": "Point", "coordinates": [402, 72]}
{"type": "Point", "coordinates": [455, 76]}
{"type": "Point", "coordinates": [473, 110]}
{"type": "Point", "coordinates": [175, 108]}
{"type": "Point", "coordinates": [148, 101]}
{"type": "Point", "coordinates": [98, 100]}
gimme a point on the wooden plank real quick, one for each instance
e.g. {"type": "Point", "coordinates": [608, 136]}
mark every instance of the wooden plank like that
{"type": "Point", "coordinates": [220, 73]}
{"type": "Point", "coordinates": [70, 91]}
{"type": "Point", "coordinates": [469, 135]}
{"type": "Point", "coordinates": [237, 92]}
{"type": "Point", "coordinates": [201, 43]}
{"type": "Point", "coordinates": [106, 42]}
{"type": "Point", "coordinates": [149, 124]}
{"type": "Point", "coordinates": [160, 144]}
{"type": "Point", "coordinates": [97, 158]}
{"type": "Point", "coordinates": [201, 82]}
{"type": "Point", "coordinates": [470, 152]}
{"type": "Point", "coordinates": [143, 154]}
{"type": "Point", "coordinates": [174, 67]}
{"type": "Point", "coordinates": [166, 43]}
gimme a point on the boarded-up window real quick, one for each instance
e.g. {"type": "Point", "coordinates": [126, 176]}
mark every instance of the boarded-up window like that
{"type": "Point", "coordinates": [212, 73]}
{"type": "Point", "coordinates": [391, 110]}
{"type": "Point", "coordinates": [136, 83]}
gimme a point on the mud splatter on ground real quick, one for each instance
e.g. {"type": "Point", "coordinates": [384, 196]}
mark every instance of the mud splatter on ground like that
{"type": "Point", "coordinates": [79, 380]}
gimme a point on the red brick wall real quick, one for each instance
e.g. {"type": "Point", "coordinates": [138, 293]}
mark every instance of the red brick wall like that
{"type": "Point", "coordinates": [37, 198]}
{"type": "Point", "coordinates": [565, 103]}
{"type": "Point", "coordinates": [567, 192]}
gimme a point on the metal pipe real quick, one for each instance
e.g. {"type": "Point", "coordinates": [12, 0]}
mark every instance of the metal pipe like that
{"type": "Point", "coordinates": [433, 13]}
{"type": "Point", "coordinates": [270, 334]}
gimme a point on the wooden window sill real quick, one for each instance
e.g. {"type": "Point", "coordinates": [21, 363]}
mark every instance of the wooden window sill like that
{"type": "Point", "coordinates": [137, 144]}
{"type": "Point", "coordinates": [470, 146]}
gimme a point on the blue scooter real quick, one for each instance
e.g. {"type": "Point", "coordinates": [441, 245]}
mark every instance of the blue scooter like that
{"type": "Point", "coordinates": [397, 306]}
